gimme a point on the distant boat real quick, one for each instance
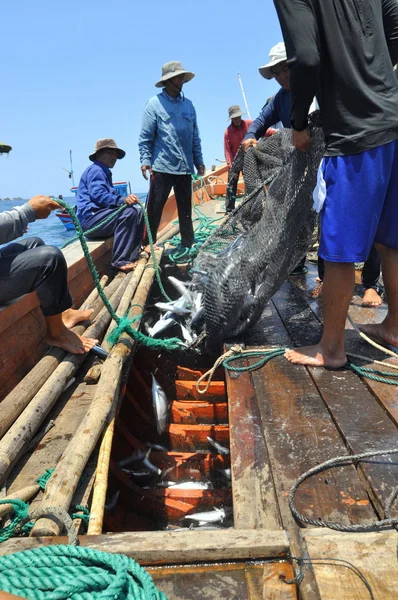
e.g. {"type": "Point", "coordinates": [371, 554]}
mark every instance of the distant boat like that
{"type": "Point", "coordinates": [123, 187]}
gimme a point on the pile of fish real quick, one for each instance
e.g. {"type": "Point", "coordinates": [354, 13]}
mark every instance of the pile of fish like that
{"type": "Point", "coordinates": [187, 313]}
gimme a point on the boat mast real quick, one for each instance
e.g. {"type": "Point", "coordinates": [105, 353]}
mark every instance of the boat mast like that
{"type": "Point", "coordinates": [71, 168]}
{"type": "Point", "coordinates": [243, 94]}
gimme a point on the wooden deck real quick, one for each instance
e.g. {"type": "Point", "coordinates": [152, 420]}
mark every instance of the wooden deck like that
{"type": "Point", "coordinates": [286, 419]}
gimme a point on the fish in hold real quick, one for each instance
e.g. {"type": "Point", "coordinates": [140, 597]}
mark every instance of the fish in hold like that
{"type": "Point", "coordinates": [220, 449]}
{"type": "Point", "coordinates": [187, 485]}
{"type": "Point", "coordinates": [210, 516]}
{"type": "Point", "coordinates": [160, 406]}
{"type": "Point", "coordinates": [161, 325]}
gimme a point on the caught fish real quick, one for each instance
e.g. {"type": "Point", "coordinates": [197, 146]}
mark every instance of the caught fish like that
{"type": "Point", "coordinates": [187, 485]}
{"type": "Point", "coordinates": [186, 334]}
{"type": "Point", "coordinates": [224, 473]}
{"type": "Point", "coordinates": [160, 326]}
{"type": "Point", "coordinates": [160, 406]}
{"type": "Point", "coordinates": [220, 449]}
{"type": "Point", "coordinates": [135, 460]}
{"type": "Point", "coordinates": [112, 501]}
{"type": "Point", "coordinates": [144, 478]}
{"type": "Point", "coordinates": [198, 320]}
{"type": "Point", "coordinates": [156, 447]}
{"type": "Point", "coordinates": [181, 288]}
{"type": "Point", "coordinates": [177, 307]}
{"type": "Point", "coordinates": [211, 516]}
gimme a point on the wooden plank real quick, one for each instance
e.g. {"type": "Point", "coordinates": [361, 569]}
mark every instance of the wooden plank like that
{"type": "Point", "coordinates": [159, 547]}
{"type": "Point", "coordinates": [361, 421]}
{"type": "Point", "coordinates": [185, 374]}
{"type": "Point", "coordinates": [374, 554]}
{"type": "Point", "coordinates": [254, 500]}
{"type": "Point", "coordinates": [274, 586]}
{"type": "Point", "coordinates": [197, 412]}
{"type": "Point", "coordinates": [187, 390]}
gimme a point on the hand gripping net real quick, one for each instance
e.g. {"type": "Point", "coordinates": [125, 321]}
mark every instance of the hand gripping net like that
{"type": "Point", "coordinates": [247, 259]}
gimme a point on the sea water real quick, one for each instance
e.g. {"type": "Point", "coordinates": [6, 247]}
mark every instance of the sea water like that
{"type": "Point", "coordinates": [50, 230]}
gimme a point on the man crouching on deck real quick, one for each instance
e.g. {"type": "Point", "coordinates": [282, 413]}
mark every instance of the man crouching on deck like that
{"type": "Point", "coordinates": [343, 52]}
{"type": "Point", "coordinates": [29, 265]}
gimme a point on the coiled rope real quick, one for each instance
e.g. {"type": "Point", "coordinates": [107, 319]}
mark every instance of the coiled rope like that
{"type": "Point", "coordinates": [60, 572]}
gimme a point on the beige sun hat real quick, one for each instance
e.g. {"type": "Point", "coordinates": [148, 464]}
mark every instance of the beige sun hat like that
{"type": "Point", "coordinates": [107, 143]}
{"type": "Point", "coordinates": [235, 111]}
{"type": "Point", "coordinates": [172, 69]}
{"type": "Point", "coordinates": [277, 54]}
{"type": "Point", "coordinates": [4, 148]}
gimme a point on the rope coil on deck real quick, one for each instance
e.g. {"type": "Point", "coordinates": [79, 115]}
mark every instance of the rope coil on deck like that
{"type": "Point", "coordinates": [60, 572]}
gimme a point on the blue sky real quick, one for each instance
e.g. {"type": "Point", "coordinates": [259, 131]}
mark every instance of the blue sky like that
{"type": "Point", "coordinates": [73, 72]}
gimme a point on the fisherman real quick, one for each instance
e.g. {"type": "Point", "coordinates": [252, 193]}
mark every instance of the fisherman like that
{"type": "Point", "coordinates": [360, 169]}
{"type": "Point", "coordinates": [97, 200]}
{"type": "Point", "coordinates": [277, 108]}
{"type": "Point", "coordinates": [170, 149]}
{"type": "Point", "coordinates": [233, 137]}
{"type": "Point", "coordinates": [29, 265]}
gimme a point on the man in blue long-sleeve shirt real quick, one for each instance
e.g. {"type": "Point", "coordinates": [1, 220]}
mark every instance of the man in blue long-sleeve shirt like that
{"type": "Point", "coordinates": [170, 149]}
{"type": "Point", "coordinates": [278, 108]}
{"type": "Point", "coordinates": [97, 199]}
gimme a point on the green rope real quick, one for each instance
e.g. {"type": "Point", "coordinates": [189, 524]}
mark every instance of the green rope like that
{"type": "Point", "coordinates": [104, 222]}
{"type": "Point", "coordinates": [82, 513]}
{"type": "Point", "coordinates": [374, 374]}
{"type": "Point", "coordinates": [43, 479]}
{"type": "Point", "coordinates": [61, 572]}
{"type": "Point", "coordinates": [21, 510]}
{"type": "Point", "coordinates": [166, 344]}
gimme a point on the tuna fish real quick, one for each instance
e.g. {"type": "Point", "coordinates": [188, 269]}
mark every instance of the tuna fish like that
{"type": "Point", "coordinates": [220, 449]}
{"type": "Point", "coordinates": [160, 406]}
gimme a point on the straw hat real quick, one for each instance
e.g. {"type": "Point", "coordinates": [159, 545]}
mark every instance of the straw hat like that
{"type": "Point", "coordinates": [4, 148]}
{"type": "Point", "coordinates": [277, 54]}
{"type": "Point", "coordinates": [172, 69]}
{"type": "Point", "coordinates": [235, 111]}
{"type": "Point", "coordinates": [107, 143]}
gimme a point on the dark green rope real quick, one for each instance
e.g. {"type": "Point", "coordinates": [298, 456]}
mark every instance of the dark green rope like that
{"type": "Point", "coordinates": [374, 374]}
{"type": "Point", "coordinates": [166, 344]}
{"type": "Point", "coordinates": [104, 222]}
{"type": "Point", "coordinates": [43, 479]}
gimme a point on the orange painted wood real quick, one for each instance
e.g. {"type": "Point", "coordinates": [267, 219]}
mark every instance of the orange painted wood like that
{"type": "Point", "coordinates": [187, 390]}
{"type": "Point", "coordinates": [183, 373]}
{"type": "Point", "coordinates": [197, 412]}
{"type": "Point", "coordinates": [194, 437]}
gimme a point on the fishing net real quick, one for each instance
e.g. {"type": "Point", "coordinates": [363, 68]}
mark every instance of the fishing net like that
{"type": "Point", "coordinates": [247, 259]}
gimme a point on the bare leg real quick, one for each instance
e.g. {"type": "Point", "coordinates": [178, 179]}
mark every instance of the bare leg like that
{"type": "Point", "coordinates": [59, 335]}
{"type": "Point", "coordinates": [371, 298]}
{"type": "Point", "coordinates": [71, 316]}
{"type": "Point", "coordinates": [387, 331]}
{"type": "Point", "coordinates": [337, 293]}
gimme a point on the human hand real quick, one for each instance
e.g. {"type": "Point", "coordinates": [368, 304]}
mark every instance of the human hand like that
{"type": "Point", "coordinates": [248, 143]}
{"type": "Point", "coordinates": [131, 199]}
{"type": "Point", "coordinates": [201, 170]}
{"type": "Point", "coordinates": [144, 169]}
{"type": "Point", "coordinates": [43, 205]}
{"type": "Point", "coordinates": [302, 140]}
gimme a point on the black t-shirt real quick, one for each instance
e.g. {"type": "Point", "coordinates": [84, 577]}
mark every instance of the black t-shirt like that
{"type": "Point", "coordinates": [343, 52]}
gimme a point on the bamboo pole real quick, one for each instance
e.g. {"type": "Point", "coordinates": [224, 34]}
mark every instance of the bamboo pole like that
{"type": "Point", "coordinates": [23, 494]}
{"type": "Point", "coordinates": [18, 399]}
{"type": "Point", "coordinates": [168, 234]}
{"type": "Point", "coordinates": [125, 301]}
{"type": "Point", "coordinates": [24, 428]}
{"type": "Point", "coordinates": [63, 483]}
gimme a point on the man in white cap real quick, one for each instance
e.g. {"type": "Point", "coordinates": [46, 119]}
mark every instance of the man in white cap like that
{"type": "Point", "coordinates": [233, 137]}
{"type": "Point", "coordinates": [278, 108]}
{"type": "Point", "coordinates": [97, 199]}
{"type": "Point", "coordinates": [170, 149]}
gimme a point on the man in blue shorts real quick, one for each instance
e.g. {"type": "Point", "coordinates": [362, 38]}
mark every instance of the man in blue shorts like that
{"type": "Point", "coordinates": [343, 52]}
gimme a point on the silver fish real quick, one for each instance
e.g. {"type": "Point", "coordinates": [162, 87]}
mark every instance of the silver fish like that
{"type": "Point", "coordinates": [211, 516]}
{"type": "Point", "coordinates": [160, 326]}
{"type": "Point", "coordinates": [181, 288]}
{"type": "Point", "coordinates": [187, 485]}
{"type": "Point", "coordinates": [135, 460]}
{"type": "Point", "coordinates": [177, 307]}
{"type": "Point", "coordinates": [112, 500]}
{"type": "Point", "coordinates": [220, 449]}
{"type": "Point", "coordinates": [186, 334]}
{"type": "Point", "coordinates": [156, 447]}
{"type": "Point", "coordinates": [160, 406]}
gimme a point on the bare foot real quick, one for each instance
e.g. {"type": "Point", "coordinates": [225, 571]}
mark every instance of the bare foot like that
{"type": "Point", "coordinates": [148, 248]}
{"type": "Point", "coordinates": [71, 342]}
{"type": "Point", "coordinates": [379, 334]}
{"type": "Point", "coordinates": [129, 267]}
{"type": "Point", "coordinates": [371, 298]}
{"type": "Point", "coordinates": [317, 291]}
{"type": "Point", "coordinates": [71, 316]}
{"type": "Point", "coordinates": [315, 356]}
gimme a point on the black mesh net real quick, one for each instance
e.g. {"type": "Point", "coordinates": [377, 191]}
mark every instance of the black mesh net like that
{"type": "Point", "coordinates": [247, 259]}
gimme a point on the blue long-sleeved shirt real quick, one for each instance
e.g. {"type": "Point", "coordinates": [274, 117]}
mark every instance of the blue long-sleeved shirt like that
{"type": "Point", "coordinates": [169, 141]}
{"type": "Point", "coordinates": [277, 109]}
{"type": "Point", "coordinates": [95, 191]}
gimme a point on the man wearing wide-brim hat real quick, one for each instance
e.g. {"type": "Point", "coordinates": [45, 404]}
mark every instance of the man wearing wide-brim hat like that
{"type": "Point", "coordinates": [97, 200]}
{"type": "Point", "coordinates": [233, 137]}
{"type": "Point", "coordinates": [170, 149]}
{"type": "Point", "coordinates": [278, 108]}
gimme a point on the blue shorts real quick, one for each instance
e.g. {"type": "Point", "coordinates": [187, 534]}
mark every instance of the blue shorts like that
{"type": "Point", "coordinates": [361, 205]}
